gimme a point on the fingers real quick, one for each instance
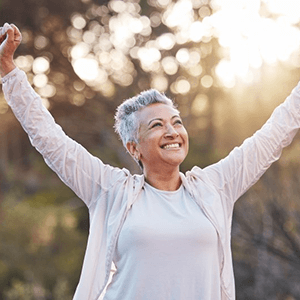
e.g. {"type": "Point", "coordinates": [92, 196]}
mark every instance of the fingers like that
{"type": "Point", "coordinates": [6, 32]}
{"type": "Point", "coordinates": [17, 33]}
{"type": "Point", "coordinates": [3, 31]}
{"type": "Point", "coordinates": [5, 28]}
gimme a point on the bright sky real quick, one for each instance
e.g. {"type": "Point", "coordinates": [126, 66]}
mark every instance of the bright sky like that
{"type": "Point", "coordinates": [252, 37]}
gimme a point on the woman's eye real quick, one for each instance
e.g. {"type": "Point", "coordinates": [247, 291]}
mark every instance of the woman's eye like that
{"type": "Point", "coordinates": [156, 125]}
{"type": "Point", "coordinates": [178, 122]}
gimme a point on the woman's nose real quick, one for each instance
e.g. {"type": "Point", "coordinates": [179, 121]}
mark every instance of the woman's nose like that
{"type": "Point", "coordinates": [171, 132]}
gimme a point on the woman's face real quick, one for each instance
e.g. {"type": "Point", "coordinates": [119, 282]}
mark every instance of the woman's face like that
{"type": "Point", "coordinates": [163, 140]}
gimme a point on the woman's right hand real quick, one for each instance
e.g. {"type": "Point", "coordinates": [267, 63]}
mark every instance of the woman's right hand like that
{"type": "Point", "coordinates": [10, 39]}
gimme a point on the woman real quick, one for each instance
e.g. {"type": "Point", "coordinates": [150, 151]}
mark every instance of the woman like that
{"type": "Point", "coordinates": [167, 233]}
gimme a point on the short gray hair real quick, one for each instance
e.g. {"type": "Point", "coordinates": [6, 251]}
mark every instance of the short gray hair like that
{"type": "Point", "coordinates": [126, 121]}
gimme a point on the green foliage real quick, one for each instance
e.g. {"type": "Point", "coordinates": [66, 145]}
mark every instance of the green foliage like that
{"type": "Point", "coordinates": [32, 291]}
{"type": "Point", "coordinates": [40, 241]}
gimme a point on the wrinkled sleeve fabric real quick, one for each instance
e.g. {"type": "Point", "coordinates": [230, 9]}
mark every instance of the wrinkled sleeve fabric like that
{"type": "Point", "coordinates": [244, 165]}
{"type": "Point", "coordinates": [85, 174]}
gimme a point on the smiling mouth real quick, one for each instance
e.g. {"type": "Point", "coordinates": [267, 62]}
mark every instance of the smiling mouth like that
{"type": "Point", "coordinates": [171, 146]}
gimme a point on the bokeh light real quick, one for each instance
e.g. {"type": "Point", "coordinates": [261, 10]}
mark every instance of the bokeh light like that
{"type": "Point", "coordinates": [40, 42]}
{"type": "Point", "coordinates": [170, 65]}
{"type": "Point", "coordinates": [80, 50]}
{"type": "Point", "coordinates": [207, 81]}
{"type": "Point", "coordinates": [166, 41]}
{"type": "Point", "coordinates": [200, 104]}
{"type": "Point", "coordinates": [78, 21]}
{"type": "Point", "coordinates": [118, 33]}
{"type": "Point", "coordinates": [86, 68]}
{"type": "Point", "coordinates": [24, 62]}
{"type": "Point", "coordinates": [40, 80]}
{"type": "Point", "coordinates": [40, 65]}
{"type": "Point", "coordinates": [183, 56]}
{"type": "Point", "coordinates": [160, 83]}
{"type": "Point", "coordinates": [47, 91]}
{"type": "Point", "coordinates": [181, 86]}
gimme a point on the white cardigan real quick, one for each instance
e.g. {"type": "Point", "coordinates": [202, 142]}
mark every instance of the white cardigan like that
{"type": "Point", "coordinates": [109, 192]}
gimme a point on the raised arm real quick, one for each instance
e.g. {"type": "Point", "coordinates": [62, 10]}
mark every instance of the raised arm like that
{"type": "Point", "coordinates": [237, 172]}
{"type": "Point", "coordinates": [77, 168]}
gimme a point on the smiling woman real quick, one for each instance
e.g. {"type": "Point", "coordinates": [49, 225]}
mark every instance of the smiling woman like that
{"type": "Point", "coordinates": [162, 139]}
{"type": "Point", "coordinates": [150, 127]}
{"type": "Point", "coordinates": [166, 233]}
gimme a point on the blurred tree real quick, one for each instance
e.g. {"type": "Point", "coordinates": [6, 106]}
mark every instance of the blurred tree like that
{"type": "Point", "coordinates": [84, 57]}
{"type": "Point", "coordinates": [266, 240]}
{"type": "Point", "coordinates": [75, 56]}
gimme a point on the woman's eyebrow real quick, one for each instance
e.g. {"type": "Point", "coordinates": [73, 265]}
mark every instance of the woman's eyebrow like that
{"type": "Point", "coordinates": [160, 119]}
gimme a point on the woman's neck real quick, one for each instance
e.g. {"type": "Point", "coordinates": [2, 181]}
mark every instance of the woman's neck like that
{"type": "Point", "coordinates": [166, 181]}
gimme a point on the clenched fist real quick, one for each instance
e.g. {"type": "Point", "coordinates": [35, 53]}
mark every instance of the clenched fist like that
{"type": "Point", "coordinates": [10, 39]}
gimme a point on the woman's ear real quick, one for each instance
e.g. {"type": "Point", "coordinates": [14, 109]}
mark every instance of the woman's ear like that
{"type": "Point", "coordinates": [132, 149]}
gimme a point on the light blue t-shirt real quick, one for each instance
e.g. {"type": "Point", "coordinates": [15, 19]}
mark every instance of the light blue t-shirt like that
{"type": "Point", "coordinates": [167, 250]}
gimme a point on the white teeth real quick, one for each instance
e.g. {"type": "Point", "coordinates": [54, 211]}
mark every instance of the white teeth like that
{"type": "Point", "coordinates": [171, 146]}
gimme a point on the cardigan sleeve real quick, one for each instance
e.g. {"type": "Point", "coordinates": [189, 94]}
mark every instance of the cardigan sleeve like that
{"type": "Point", "coordinates": [244, 165]}
{"type": "Point", "coordinates": [85, 174]}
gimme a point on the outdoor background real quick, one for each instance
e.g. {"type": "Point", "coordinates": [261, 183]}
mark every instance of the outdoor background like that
{"type": "Point", "coordinates": [227, 63]}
